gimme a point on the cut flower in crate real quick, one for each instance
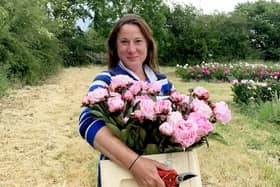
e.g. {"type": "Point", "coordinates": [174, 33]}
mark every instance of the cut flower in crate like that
{"type": "Point", "coordinates": [149, 123]}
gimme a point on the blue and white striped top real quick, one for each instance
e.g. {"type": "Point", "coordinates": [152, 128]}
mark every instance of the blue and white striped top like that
{"type": "Point", "coordinates": [88, 126]}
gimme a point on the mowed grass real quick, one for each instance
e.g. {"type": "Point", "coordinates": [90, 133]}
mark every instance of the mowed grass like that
{"type": "Point", "coordinates": [252, 156]}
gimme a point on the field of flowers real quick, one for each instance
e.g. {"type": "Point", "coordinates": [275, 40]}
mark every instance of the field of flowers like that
{"type": "Point", "coordinates": [251, 82]}
{"type": "Point", "coordinates": [229, 72]}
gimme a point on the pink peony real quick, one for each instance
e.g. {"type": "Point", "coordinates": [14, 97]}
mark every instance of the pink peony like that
{"type": "Point", "coordinates": [176, 97]}
{"type": "Point", "coordinates": [185, 100]}
{"type": "Point", "coordinates": [201, 93]}
{"type": "Point", "coordinates": [201, 107]}
{"type": "Point", "coordinates": [128, 96]}
{"type": "Point", "coordinates": [222, 112]}
{"type": "Point", "coordinates": [174, 117]}
{"type": "Point", "coordinates": [136, 87]}
{"type": "Point", "coordinates": [153, 88]}
{"type": "Point", "coordinates": [163, 107]}
{"type": "Point", "coordinates": [97, 95]}
{"type": "Point", "coordinates": [120, 81]}
{"type": "Point", "coordinates": [141, 97]}
{"type": "Point", "coordinates": [85, 101]}
{"type": "Point", "coordinates": [138, 115]}
{"type": "Point", "coordinates": [201, 123]}
{"type": "Point", "coordinates": [184, 134]}
{"type": "Point", "coordinates": [147, 109]}
{"type": "Point", "coordinates": [166, 129]}
{"type": "Point", "coordinates": [115, 104]}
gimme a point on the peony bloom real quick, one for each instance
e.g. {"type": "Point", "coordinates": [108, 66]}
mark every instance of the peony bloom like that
{"type": "Point", "coordinates": [128, 96]}
{"type": "Point", "coordinates": [174, 117]}
{"type": "Point", "coordinates": [163, 107]}
{"type": "Point", "coordinates": [201, 107]}
{"type": "Point", "coordinates": [185, 100]}
{"type": "Point", "coordinates": [153, 88]}
{"type": "Point", "coordinates": [115, 104]}
{"type": "Point", "coordinates": [147, 109]}
{"type": "Point", "coordinates": [166, 129]}
{"type": "Point", "coordinates": [97, 95]}
{"type": "Point", "coordinates": [176, 97]}
{"type": "Point", "coordinates": [201, 123]}
{"type": "Point", "coordinates": [85, 101]}
{"type": "Point", "coordinates": [138, 115]}
{"type": "Point", "coordinates": [136, 87]}
{"type": "Point", "coordinates": [120, 81]}
{"type": "Point", "coordinates": [222, 112]}
{"type": "Point", "coordinates": [184, 134]}
{"type": "Point", "coordinates": [201, 93]}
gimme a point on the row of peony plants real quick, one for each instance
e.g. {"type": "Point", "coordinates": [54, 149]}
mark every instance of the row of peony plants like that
{"type": "Point", "coordinates": [229, 72]}
{"type": "Point", "coordinates": [248, 91]}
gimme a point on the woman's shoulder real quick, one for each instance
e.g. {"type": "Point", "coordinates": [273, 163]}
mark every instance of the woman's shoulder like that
{"type": "Point", "coordinates": [160, 75]}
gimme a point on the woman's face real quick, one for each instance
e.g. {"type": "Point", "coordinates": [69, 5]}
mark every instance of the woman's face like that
{"type": "Point", "coordinates": [131, 46]}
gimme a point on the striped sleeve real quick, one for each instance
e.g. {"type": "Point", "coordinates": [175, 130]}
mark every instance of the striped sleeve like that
{"type": "Point", "coordinates": [167, 86]}
{"type": "Point", "coordinates": [88, 126]}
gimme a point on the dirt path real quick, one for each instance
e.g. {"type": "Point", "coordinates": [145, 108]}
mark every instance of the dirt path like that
{"type": "Point", "coordinates": [39, 140]}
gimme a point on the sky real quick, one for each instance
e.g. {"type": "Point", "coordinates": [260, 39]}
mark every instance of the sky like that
{"type": "Point", "coordinates": [209, 6]}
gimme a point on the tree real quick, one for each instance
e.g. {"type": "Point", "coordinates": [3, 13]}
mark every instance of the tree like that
{"type": "Point", "coordinates": [264, 26]}
{"type": "Point", "coordinates": [29, 48]}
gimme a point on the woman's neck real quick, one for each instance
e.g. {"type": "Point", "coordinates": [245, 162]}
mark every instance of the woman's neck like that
{"type": "Point", "coordinates": [140, 73]}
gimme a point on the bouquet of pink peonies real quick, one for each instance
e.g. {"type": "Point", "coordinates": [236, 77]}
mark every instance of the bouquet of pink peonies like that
{"type": "Point", "coordinates": [149, 123]}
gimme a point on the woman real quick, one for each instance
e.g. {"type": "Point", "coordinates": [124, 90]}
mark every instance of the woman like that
{"type": "Point", "coordinates": [132, 51]}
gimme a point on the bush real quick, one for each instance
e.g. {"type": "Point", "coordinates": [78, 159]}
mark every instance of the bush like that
{"type": "Point", "coordinates": [29, 50]}
{"type": "Point", "coordinates": [246, 92]}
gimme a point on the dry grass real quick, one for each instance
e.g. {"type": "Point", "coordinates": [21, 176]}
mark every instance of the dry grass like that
{"type": "Point", "coordinates": [41, 146]}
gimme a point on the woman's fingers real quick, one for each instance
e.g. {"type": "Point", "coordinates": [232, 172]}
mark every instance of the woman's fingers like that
{"type": "Point", "coordinates": [145, 172]}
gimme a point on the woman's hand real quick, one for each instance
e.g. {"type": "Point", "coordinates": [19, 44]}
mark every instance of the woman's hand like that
{"type": "Point", "coordinates": [145, 172]}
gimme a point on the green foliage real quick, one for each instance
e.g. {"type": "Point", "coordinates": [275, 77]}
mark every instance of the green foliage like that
{"type": "Point", "coordinates": [263, 24]}
{"type": "Point", "coordinates": [243, 93]}
{"type": "Point", "coordinates": [83, 48]}
{"type": "Point", "coordinates": [247, 92]}
{"type": "Point", "coordinates": [29, 50]}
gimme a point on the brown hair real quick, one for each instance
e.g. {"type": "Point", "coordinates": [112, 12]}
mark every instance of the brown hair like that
{"type": "Point", "coordinates": [151, 59]}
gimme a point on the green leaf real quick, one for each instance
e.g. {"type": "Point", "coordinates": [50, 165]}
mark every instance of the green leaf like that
{"type": "Point", "coordinates": [124, 135]}
{"type": "Point", "coordinates": [119, 120]}
{"type": "Point", "coordinates": [115, 130]}
{"type": "Point", "coordinates": [143, 134]}
{"type": "Point", "coordinates": [98, 114]}
{"type": "Point", "coordinates": [216, 136]}
{"type": "Point", "coordinates": [171, 149]}
{"type": "Point", "coordinates": [151, 149]}
{"type": "Point", "coordinates": [130, 141]}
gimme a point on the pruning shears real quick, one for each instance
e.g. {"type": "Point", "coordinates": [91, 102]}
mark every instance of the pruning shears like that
{"type": "Point", "coordinates": [172, 179]}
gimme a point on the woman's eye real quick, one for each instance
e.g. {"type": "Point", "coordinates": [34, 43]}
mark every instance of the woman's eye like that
{"type": "Point", "coordinates": [139, 41]}
{"type": "Point", "coordinates": [124, 41]}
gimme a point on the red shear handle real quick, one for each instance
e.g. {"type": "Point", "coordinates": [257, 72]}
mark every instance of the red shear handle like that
{"type": "Point", "coordinates": [169, 177]}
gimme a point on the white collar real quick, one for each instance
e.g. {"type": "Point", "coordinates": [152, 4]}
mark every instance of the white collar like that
{"type": "Point", "coordinates": [148, 71]}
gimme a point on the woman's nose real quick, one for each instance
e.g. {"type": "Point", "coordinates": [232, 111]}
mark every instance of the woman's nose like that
{"type": "Point", "coordinates": [131, 47]}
